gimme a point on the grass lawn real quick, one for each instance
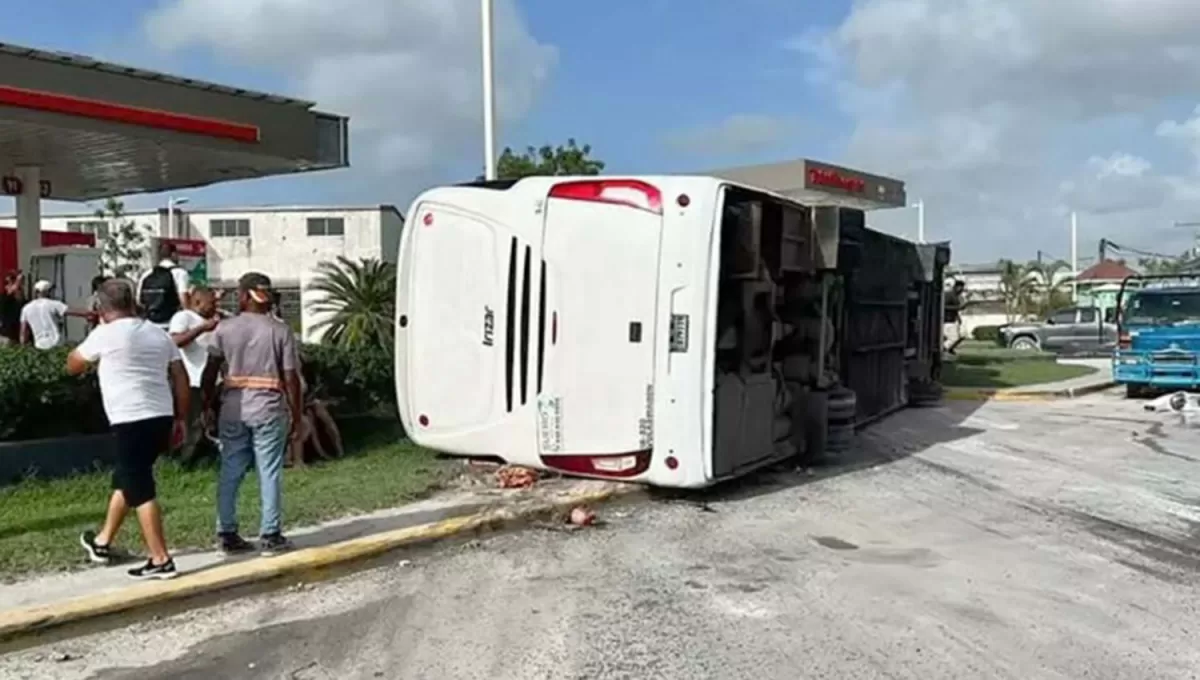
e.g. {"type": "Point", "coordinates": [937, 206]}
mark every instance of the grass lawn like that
{"type": "Point", "coordinates": [40, 520]}
{"type": "Point", "coordinates": [988, 366]}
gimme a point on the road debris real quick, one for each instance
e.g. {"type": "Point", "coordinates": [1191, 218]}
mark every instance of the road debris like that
{"type": "Point", "coordinates": [582, 516]}
{"type": "Point", "coordinates": [516, 477]}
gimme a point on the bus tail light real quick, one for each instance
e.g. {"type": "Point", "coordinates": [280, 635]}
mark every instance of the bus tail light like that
{"type": "Point", "coordinates": [628, 192]}
{"type": "Point", "coordinates": [621, 465]}
{"type": "Point", "coordinates": [1124, 341]}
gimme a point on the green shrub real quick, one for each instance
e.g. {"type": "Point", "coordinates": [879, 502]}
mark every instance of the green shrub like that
{"type": "Point", "coordinates": [986, 333]}
{"type": "Point", "coordinates": [355, 381]}
{"type": "Point", "coordinates": [38, 399]}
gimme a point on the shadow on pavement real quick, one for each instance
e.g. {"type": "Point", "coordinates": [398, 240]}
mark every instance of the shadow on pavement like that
{"type": "Point", "coordinates": [888, 440]}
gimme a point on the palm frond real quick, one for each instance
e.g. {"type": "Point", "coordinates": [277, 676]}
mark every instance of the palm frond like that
{"type": "Point", "coordinates": [356, 301]}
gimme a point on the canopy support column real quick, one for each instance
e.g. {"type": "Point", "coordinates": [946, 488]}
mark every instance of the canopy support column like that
{"type": "Point", "coordinates": [29, 214]}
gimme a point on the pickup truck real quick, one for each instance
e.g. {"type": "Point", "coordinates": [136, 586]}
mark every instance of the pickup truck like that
{"type": "Point", "coordinates": [1074, 330]}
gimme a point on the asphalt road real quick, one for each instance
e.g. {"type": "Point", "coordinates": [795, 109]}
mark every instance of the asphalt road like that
{"type": "Point", "coordinates": [1020, 541]}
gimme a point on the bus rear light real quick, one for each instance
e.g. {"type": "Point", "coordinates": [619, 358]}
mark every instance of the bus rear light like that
{"type": "Point", "coordinates": [628, 192]}
{"type": "Point", "coordinates": [672, 463]}
{"type": "Point", "coordinates": [1124, 341]}
{"type": "Point", "coordinates": [622, 465]}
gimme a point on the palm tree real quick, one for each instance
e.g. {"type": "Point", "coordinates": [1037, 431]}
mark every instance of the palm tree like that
{"type": "Point", "coordinates": [357, 302]}
{"type": "Point", "coordinates": [1017, 289]}
{"type": "Point", "coordinates": [1051, 289]}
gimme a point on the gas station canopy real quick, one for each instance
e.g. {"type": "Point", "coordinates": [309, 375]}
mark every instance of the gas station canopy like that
{"type": "Point", "coordinates": [815, 183]}
{"type": "Point", "coordinates": [93, 129]}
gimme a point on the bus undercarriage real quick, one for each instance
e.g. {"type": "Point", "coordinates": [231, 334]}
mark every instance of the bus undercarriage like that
{"type": "Point", "coordinates": [823, 325]}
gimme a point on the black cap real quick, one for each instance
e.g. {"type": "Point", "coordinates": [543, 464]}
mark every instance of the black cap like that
{"type": "Point", "coordinates": [258, 286]}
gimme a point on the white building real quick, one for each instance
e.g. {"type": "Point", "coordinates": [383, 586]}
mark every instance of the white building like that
{"type": "Point", "coordinates": [285, 243]}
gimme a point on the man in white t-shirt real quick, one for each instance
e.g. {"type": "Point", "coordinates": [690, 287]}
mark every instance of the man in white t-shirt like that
{"type": "Point", "coordinates": [144, 388]}
{"type": "Point", "coordinates": [191, 329]}
{"type": "Point", "coordinates": [42, 317]}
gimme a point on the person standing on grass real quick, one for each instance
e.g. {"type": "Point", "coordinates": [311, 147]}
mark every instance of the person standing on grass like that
{"type": "Point", "coordinates": [93, 302]}
{"type": "Point", "coordinates": [42, 318]}
{"type": "Point", "coordinates": [144, 388]}
{"type": "Point", "coordinates": [12, 298]}
{"type": "Point", "coordinates": [191, 329]}
{"type": "Point", "coordinates": [952, 328]}
{"type": "Point", "coordinates": [163, 290]}
{"type": "Point", "coordinates": [259, 410]}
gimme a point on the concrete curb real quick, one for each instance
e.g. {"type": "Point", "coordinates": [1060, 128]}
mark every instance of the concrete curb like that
{"type": "Point", "coordinates": [17, 623]}
{"type": "Point", "coordinates": [968, 394]}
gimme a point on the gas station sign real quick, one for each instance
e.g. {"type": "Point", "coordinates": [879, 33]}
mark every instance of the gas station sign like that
{"type": "Point", "coordinates": [13, 186]}
{"type": "Point", "coordinates": [843, 181]}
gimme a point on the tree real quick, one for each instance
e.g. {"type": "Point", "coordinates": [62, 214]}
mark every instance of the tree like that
{"type": "Point", "coordinates": [124, 246]}
{"type": "Point", "coordinates": [1017, 289]}
{"type": "Point", "coordinates": [357, 302]}
{"type": "Point", "coordinates": [562, 160]}
{"type": "Point", "coordinates": [1167, 265]}
{"type": "Point", "coordinates": [1050, 288]}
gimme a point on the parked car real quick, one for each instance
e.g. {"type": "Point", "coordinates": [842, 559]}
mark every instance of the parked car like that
{"type": "Point", "coordinates": [1074, 330]}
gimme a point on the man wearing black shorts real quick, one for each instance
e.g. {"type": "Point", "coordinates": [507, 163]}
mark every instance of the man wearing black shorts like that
{"type": "Point", "coordinates": [145, 391]}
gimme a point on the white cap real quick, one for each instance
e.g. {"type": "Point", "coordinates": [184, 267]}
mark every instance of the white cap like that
{"type": "Point", "coordinates": [42, 286]}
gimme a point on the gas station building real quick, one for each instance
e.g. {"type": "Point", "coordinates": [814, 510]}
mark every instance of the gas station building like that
{"type": "Point", "coordinates": [76, 129]}
{"type": "Point", "coordinates": [815, 183]}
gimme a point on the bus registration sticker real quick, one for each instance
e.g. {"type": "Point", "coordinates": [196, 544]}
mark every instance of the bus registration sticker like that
{"type": "Point", "coordinates": [679, 333]}
{"type": "Point", "coordinates": [550, 424]}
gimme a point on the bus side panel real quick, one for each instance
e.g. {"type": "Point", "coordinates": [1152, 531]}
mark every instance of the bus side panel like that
{"type": "Point", "coordinates": [684, 382]}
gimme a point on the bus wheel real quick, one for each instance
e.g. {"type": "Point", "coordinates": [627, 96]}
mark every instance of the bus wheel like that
{"type": "Point", "coordinates": [839, 437]}
{"type": "Point", "coordinates": [1136, 391]}
{"type": "Point", "coordinates": [843, 405]}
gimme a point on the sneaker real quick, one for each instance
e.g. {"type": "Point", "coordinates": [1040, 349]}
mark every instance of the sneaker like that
{"type": "Point", "coordinates": [273, 544]}
{"type": "Point", "coordinates": [150, 570]}
{"type": "Point", "coordinates": [231, 543]}
{"type": "Point", "coordinates": [100, 554]}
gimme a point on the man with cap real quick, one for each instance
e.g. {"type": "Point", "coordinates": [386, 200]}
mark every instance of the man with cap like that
{"type": "Point", "coordinates": [42, 317]}
{"type": "Point", "coordinates": [260, 402]}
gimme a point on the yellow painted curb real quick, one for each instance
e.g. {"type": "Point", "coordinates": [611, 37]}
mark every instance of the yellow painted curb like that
{"type": "Point", "coordinates": [967, 394]}
{"type": "Point", "coordinates": [21, 622]}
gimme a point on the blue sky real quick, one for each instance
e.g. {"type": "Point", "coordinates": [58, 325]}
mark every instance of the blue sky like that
{"type": "Point", "coordinates": [1002, 114]}
{"type": "Point", "coordinates": [610, 59]}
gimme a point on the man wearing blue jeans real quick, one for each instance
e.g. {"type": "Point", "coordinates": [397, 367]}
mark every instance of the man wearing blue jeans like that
{"type": "Point", "coordinates": [259, 410]}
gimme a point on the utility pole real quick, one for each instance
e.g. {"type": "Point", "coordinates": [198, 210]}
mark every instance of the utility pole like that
{"type": "Point", "coordinates": [489, 94]}
{"type": "Point", "coordinates": [1075, 256]}
{"type": "Point", "coordinates": [921, 221]}
{"type": "Point", "coordinates": [1195, 239]}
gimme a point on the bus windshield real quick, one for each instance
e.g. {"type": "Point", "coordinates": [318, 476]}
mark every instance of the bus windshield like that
{"type": "Point", "coordinates": [1154, 307]}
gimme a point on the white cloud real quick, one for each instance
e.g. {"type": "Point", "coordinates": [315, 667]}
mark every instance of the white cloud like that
{"type": "Point", "coordinates": [999, 112]}
{"type": "Point", "coordinates": [407, 72]}
{"type": "Point", "coordinates": [739, 133]}
{"type": "Point", "coordinates": [1119, 183]}
{"type": "Point", "coordinates": [1186, 134]}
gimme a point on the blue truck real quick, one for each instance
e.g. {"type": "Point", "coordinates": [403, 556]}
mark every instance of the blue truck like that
{"type": "Point", "coordinates": [1158, 334]}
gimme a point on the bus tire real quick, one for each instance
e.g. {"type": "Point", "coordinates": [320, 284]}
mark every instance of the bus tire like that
{"type": "Point", "coordinates": [925, 394]}
{"type": "Point", "coordinates": [839, 437]}
{"type": "Point", "coordinates": [843, 405]}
